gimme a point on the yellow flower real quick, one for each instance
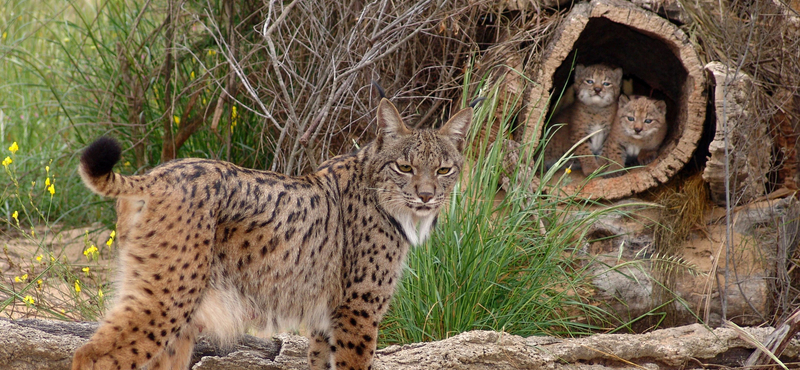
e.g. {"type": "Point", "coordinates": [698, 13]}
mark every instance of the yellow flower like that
{"type": "Point", "coordinates": [17, 279]}
{"type": "Point", "coordinates": [177, 120]}
{"type": "Point", "coordinates": [234, 113]}
{"type": "Point", "coordinates": [111, 238]}
{"type": "Point", "coordinates": [14, 216]}
{"type": "Point", "coordinates": [52, 259]}
{"type": "Point", "coordinates": [13, 148]}
{"type": "Point", "coordinates": [5, 34]}
{"type": "Point", "coordinates": [100, 293]}
{"type": "Point", "coordinates": [204, 101]}
{"type": "Point", "coordinates": [211, 53]}
{"type": "Point", "coordinates": [20, 279]}
{"type": "Point", "coordinates": [66, 39]}
{"type": "Point", "coordinates": [39, 258]}
{"type": "Point", "coordinates": [47, 182]}
{"type": "Point", "coordinates": [28, 300]}
{"type": "Point", "coordinates": [47, 168]}
{"type": "Point", "coordinates": [568, 170]}
{"type": "Point", "coordinates": [7, 161]}
{"type": "Point", "coordinates": [191, 75]}
{"type": "Point", "coordinates": [85, 270]}
{"type": "Point", "coordinates": [33, 232]}
{"type": "Point", "coordinates": [90, 252]}
{"type": "Point", "coordinates": [127, 164]}
{"type": "Point", "coordinates": [77, 286]}
{"type": "Point", "coordinates": [39, 282]}
{"type": "Point", "coordinates": [52, 189]}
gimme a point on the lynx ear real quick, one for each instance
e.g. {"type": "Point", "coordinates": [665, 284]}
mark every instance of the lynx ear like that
{"type": "Point", "coordinates": [618, 74]}
{"type": "Point", "coordinates": [623, 99]}
{"type": "Point", "coordinates": [661, 106]}
{"type": "Point", "coordinates": [457, 126]}
{"type": "Point", "coordinates": [389, 121]}
{"type": "Point", "coordinates": [579, 70]}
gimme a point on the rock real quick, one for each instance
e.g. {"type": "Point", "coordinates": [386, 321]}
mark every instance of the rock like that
{"type": "Point", "coordinates": [42, 344]}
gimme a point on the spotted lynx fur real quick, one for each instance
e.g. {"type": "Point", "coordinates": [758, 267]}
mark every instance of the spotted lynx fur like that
{"type": "Point", "coordinates": [637, 133]}
{"type": "Point", "coordinates": [597, 88]}
{"type": "Point", "coordinates": [209, 246]}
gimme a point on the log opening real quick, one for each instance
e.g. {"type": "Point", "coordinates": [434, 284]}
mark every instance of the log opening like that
{"type": "Point", "coordinates": [654, 54]}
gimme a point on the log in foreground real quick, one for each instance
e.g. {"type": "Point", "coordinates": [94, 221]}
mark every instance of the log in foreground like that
{"type": "Point", "coordinates": [42, 344]}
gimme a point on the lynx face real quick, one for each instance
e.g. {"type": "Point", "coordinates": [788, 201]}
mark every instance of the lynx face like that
{"type": "Point", "coordinates": [415, 173]}
{"type": "Point", "coordinates": [637, 133]}
{"type": "Point", "coordinates": [641, 118]}
{"type": "Point", "coordinates": [597, 85]}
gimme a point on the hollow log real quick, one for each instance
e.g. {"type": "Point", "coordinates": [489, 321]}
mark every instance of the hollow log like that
{"type": "Point", "coordinates": [655, 54]}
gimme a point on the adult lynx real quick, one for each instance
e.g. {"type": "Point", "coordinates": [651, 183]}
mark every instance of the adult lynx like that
{"type": "Point", "coordinates": [209, 246]}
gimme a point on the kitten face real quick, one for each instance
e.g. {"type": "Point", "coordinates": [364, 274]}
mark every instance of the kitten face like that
{"type": "Point", "coordinates": [641, 117]}
{"type": "Point", "coordinates": [597, 85]}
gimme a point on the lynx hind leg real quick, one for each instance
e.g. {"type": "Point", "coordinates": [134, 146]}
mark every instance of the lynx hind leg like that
{"type": "Point", "coordinates": [120, 342]}
{"type": "Point", "coordinates": [178, 353]}
{"type": "Point", "coordinates": [319, 351]}
{"type": "Point", "coordinates": [355, 335]}
{"type": "Point", "coordinates": [164, 272]}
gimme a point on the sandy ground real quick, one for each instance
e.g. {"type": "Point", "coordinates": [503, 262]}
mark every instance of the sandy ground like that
{"type": "Point", "coordinates": [52, 261]}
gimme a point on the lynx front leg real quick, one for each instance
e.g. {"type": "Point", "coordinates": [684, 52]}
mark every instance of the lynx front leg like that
{"type": "Point", "coordinates": [319, 351]}
{"type": "Point", "coordinates": [355, 334]}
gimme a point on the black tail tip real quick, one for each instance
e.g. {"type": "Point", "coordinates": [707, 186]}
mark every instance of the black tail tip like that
{"type": "Point", "coordinates": [100, 156]}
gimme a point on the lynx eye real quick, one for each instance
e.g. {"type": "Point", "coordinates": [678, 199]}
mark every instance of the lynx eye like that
{"type": "Point", "coordinates": [648, 120]}
{"type": "Point", "coordinates": [404, 168]}
{"type": "Point", "coordinates": [606, 83]}
{"type": "Point", "coordinates": [443, 170]}
{"type": "Point", "coordinates": [630, 118]}
{"type": "Point", "coordinates": [590, 81]}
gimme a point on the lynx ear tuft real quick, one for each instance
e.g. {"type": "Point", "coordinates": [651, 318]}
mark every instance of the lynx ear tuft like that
{"type": "Point", "coordinates": [378, 87]}
{"type": "Point", "coordinates": [457, 126]}
{"type": "Point", "coordinates": [389, 121]}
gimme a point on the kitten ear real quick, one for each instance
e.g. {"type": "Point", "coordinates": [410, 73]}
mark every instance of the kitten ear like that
{"type": "Point", "coordinates": [618, 74]}
{"type": "Point", "coordinates": [389, 121]}
{"type": "Point", "coordinates": [623, 99]}
{"type": "Point", "coordinates": [661, 106]}
{"type": "Point", "coordinates": [579, 70]}
{"type": "Point", "coordinates": [457, 126]}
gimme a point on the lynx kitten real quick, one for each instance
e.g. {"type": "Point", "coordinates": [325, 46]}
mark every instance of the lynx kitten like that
{"type": "Point", "coordinates": [209, 246]}
{"type": "Point", "coordinates": [637, 133]}
{"type": "Point", "coordinates": [597, 88]}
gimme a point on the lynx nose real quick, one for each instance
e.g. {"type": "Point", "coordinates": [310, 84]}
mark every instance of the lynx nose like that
{"type": "Point", "coordinates": [637, 129]}
{"type": "Point", "coordinates": [425, 196]}
{"type": "Point", "coordinates": [598, 89]}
